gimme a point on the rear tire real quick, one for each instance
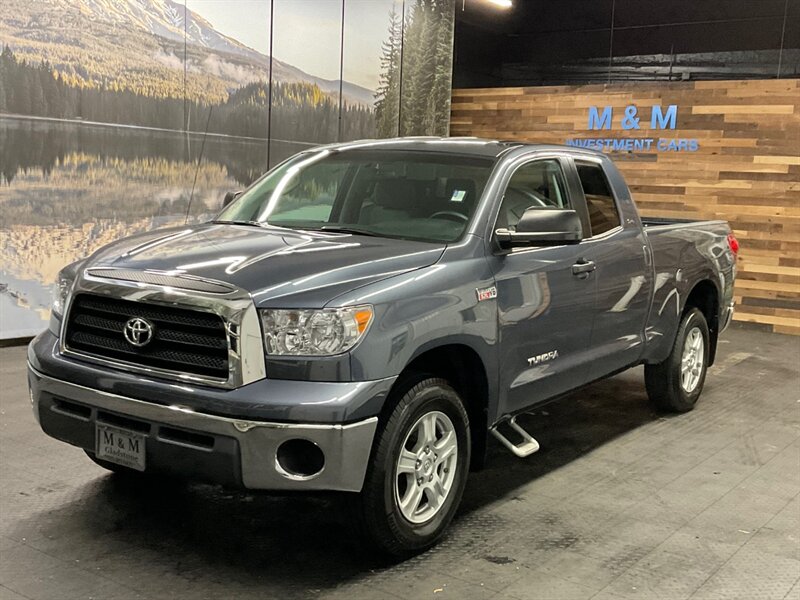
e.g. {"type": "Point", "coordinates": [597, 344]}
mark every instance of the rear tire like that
{"type": "Point", "coordinates": [418, 468]}
{"type": "Point", "coordinates": [675, 384]}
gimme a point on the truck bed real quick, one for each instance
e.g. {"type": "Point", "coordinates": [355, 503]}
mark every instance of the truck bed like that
{"type": "Point", "coordinates": [664, 222]}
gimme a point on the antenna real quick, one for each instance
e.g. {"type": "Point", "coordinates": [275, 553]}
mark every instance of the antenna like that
{"type": "Point", "coordinates": [197, 168]}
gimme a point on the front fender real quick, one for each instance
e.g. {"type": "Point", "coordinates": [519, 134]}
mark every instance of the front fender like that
{"type": "Point", "coordinates": [425, 309]}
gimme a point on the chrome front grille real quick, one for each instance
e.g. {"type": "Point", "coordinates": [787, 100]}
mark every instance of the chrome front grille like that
{"type": "Point", "coordinates": [199, 335]}
{"type": "Point", "coordinates": [186, 341]}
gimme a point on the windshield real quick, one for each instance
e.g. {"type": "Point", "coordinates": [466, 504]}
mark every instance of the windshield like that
{"type": "Point", "coordinates": [424, 196]}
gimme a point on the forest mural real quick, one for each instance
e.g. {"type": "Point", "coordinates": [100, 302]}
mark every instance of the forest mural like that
{"type": "Point", "coordinates": [118, 116]}
{"type": "Point", "coordinates": [416, 71]}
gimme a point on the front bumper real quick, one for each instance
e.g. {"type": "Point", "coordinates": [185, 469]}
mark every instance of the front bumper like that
{"type": "Point", "coordinates": [215, 448]}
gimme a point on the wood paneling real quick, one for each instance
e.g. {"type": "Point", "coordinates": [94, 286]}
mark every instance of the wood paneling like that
{"type": "Point", "coordinates": [746, 170]}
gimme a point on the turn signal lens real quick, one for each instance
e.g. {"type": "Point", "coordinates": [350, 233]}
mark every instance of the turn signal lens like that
{"type": "Point", "coordinates": [734, 244]}
{"type": "Point", "coordinates": [363, 317]}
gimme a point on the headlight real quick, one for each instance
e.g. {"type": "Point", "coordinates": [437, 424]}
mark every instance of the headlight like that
{"type": "Point", "coordinates": [61, 290]}
{"type": "Point", "coordinates": [314, 332]}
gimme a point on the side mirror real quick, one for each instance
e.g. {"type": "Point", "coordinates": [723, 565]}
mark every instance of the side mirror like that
{"type": "Point", "coordinates": [543, 227]}
{"type": "Point", "coordinates": [230, 197]}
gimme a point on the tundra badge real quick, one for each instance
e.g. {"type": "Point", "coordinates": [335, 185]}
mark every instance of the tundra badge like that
{"type": "Point", "coordinates": [540, 358]}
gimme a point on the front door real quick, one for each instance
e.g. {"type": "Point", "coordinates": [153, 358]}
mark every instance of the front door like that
{"type": "Point", "coordinates": [544, 307]}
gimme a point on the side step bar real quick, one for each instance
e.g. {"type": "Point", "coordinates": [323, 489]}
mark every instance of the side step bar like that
{"type": "Point", "coordinates": [528, 446]}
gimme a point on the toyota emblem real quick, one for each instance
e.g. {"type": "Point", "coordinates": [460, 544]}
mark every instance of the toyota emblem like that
{"type": "Point", "coordinates": [139, 332]}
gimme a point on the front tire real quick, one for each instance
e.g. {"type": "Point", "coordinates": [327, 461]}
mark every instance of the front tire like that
{"type": "Point", "coordinates": [675, 384]}
{"type": "Point", "coordinates": [418, 470]}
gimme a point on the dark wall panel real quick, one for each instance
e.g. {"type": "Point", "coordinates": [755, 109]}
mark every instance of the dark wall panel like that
{"type": "Point", "coordinates": [573, 41]}
{"type": "Point", "coordinates": [564, 15]}
{"type": "Point", "coordinates": [629, 13]}
{"type": "Point", "coordinates": [724, 36]}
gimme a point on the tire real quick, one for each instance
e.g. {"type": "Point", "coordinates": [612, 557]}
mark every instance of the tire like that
{"type": "Point", "coordinates": [397, 517]}
{"type": "Point", "coordinates": [670, 387]}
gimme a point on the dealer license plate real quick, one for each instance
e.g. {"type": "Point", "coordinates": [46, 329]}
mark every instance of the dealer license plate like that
{"type": "Point", "coordinates": [120, 446]}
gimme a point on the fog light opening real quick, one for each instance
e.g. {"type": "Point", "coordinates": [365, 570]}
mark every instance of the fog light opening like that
{"type": "Point", "coordinates": [299, 459]}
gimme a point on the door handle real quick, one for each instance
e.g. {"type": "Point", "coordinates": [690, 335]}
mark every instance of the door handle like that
{"type": "Point", "coordinates": [583, 267]}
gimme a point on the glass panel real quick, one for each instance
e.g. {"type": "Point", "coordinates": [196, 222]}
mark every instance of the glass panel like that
{"type": "Point", "coordinates": [306, 71]}
{"type": "Point", "coordinates": [425, 196]}
{"type": "Point", "coordinates": [371, 68]}
{"type": "Point", "coordinates": [538, 184]}
{"type": "Point", "coordinates": [600, 201]}
{"type": "Point", "coordinates": [97, 171]}
{"type": "Point", "coordinates": [427, 67]}
{"type": "Point", "coordinates": [227, 95]}
{"type": "Point", "coordinates": [227, 61]}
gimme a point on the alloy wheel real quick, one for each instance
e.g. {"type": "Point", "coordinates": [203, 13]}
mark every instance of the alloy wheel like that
{"type": "Point", "coordinates": [426, 467]}
{"type": "Point", "coordinates": [692, 360]}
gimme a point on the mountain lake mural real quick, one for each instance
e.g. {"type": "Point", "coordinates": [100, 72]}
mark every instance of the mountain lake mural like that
{"type": "Point", "coordinates": [118, 116]}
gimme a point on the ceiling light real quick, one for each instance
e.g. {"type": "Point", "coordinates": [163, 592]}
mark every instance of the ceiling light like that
{"type": "Point", "coordinates": [501, 3]}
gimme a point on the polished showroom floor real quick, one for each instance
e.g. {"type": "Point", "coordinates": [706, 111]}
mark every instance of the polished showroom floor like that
{"type": "Point", "coordinates": [619, 503]}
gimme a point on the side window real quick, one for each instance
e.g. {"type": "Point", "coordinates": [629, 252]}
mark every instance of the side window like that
{"type": "Point", "coordinates": [537, 184]}
{"type": "Point", "coordinates": [600, 202]}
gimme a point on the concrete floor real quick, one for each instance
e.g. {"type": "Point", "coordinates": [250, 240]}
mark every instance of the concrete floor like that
{"type": "Point", "coordinates": [619, 503]}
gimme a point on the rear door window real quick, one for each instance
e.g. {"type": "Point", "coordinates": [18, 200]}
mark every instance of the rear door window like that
{"type": "Point", "coordinates": [600, 203]}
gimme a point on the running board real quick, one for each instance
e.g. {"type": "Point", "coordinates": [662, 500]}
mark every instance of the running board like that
{"type": "Point", "coordinates": [528, 446]}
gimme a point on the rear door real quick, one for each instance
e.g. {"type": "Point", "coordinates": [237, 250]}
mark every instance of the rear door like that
{"type": "Point", "coordinates": [620, 256]}
{"type": "Point", "coordinates": [544, 309]}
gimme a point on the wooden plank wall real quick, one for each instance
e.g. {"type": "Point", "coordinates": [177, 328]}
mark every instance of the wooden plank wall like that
{"type": "Point", "coordinates": [746, 170]}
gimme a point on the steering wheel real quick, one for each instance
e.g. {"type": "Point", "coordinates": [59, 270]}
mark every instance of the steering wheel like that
{"type": "Point", "coordinates": [537, 199]}
{"type": "Point", "coordinates": [449, 214]}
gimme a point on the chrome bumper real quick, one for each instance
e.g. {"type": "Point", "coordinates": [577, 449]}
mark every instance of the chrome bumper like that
{"type": "Point", "coordinates": [346, 447]}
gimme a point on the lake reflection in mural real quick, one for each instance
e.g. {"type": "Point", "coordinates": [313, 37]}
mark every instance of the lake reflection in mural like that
{"type": "Point", "coordinates": [66, 189]}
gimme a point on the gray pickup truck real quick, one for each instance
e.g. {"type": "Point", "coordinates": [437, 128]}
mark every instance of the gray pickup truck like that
{"type": "Point", "coordinates": [365, 315]}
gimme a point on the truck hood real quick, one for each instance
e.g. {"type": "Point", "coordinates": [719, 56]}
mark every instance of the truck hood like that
{"type": "Point", "coordinates": [279, 267]}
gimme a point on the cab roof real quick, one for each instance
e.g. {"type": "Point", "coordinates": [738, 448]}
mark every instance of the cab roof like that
{"type": "Point", "coordinates": [448, 145]}
{"type": "Point", "coordinates": [452, 145]}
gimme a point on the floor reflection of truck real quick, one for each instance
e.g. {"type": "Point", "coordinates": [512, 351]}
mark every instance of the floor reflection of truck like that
{"type": "Point", "coordinates": [365, 315]}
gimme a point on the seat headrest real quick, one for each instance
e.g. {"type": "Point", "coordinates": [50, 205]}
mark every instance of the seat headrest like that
{"type": "Point", "coordinates": [394, 193]}
{"type": "Point", "coordinates": [460, 194]}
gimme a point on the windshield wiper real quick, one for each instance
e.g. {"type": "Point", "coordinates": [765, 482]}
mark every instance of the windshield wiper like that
{"type": "Point", "coordinates": [346, 229]}
{"type": "Point", "coordinates": [330, 228]}
{"type": "Point", "coordinates": [251, 223]}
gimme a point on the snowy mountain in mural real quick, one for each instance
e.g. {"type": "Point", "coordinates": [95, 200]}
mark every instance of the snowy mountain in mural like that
{"type": "Point", "coordinates": [138, 45]}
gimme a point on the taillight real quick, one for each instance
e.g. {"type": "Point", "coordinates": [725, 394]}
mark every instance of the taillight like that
{"type": "Point", "coordinates": [734, 244]}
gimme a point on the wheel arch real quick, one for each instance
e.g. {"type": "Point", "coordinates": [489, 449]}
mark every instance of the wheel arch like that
{"type": "Point", "coordinates": [464, 368]}
{"type": "Point", "coordinates": [705, 297]}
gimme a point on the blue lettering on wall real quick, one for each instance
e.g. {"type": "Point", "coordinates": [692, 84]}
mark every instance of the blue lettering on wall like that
{"type": "Point", "coordinates": [659, 120]}
{"type": "Point", "coordinates": [603, 118]}
{"type": "Point", "coordinates": [630, 120]}
{"type": "Point", "coordinates": [597, 121]}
